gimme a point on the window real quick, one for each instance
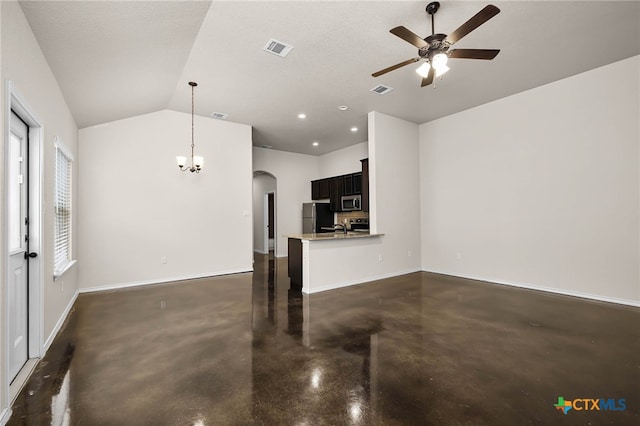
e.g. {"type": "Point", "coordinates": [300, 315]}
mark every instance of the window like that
{"type": "Point", "coordinates": [62, 213]}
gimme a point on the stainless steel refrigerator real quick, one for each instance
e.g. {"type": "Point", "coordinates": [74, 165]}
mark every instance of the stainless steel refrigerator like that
{"type": "Point", "coordinates": [316, 216]}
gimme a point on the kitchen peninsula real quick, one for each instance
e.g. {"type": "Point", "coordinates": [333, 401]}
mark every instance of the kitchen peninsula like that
{"type": "Point", "coordinates": [315, 259]}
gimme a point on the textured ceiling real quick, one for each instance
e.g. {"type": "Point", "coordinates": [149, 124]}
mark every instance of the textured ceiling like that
{"type": "Point", "coordinates": [115, 59]}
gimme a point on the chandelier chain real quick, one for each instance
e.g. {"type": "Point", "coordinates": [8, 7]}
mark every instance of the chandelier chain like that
{"type": "Point", "coordinates": [192, 124]}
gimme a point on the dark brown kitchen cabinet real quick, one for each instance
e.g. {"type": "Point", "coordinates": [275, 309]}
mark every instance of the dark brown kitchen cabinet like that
{"type": "Point", "coordinates": [335, 192]}
{"type": "Point", "coordinates": [295, 263]}
{"type": "Point", "coordinates": [347, 185]}
{"type": "Point", "coordinates": [333, 188]}
{"type": "Point", "coordinates": [357, 183]}
{"type": "Point", "coordinates": [325, 185]}
{"type": "Point", "coordinates": [320, 189]}
{"type": "Point", "coordinates": [365, 185]}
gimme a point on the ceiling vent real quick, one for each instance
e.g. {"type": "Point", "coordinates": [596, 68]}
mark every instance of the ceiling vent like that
{"type": "Point", "coordinates": [278, 48]}
{"type": "Point", "coordinates": [381, 89]}
{"type": "Point", "coordinates": [219, 115]}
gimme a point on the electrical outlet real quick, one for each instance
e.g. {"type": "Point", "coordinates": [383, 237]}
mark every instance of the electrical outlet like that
{"type": "Point", "coordinates": [459, 256]}
{"type": "Point", "coordinates": [409, 253]}
{"type": "Point", "coordinates": [163, 260]}
{"type": "Point", "coordinates": [379, 257]}
{"type": "Point", "coordinates": [61, 286]}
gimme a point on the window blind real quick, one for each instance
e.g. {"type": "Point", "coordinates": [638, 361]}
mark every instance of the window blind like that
{"type": "Point", "coordinates": [62, 207]}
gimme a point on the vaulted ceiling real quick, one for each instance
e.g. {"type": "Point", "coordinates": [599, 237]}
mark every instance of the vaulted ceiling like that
{"type": "Point", "coordinates": [116, 59]}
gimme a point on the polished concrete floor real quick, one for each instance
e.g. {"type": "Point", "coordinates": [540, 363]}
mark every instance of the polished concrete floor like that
{"type": "Point", "coordinates": [416, 349]}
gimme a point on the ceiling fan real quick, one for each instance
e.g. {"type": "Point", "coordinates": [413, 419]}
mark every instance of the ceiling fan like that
{"type": "Point", "coordinates": [436, 48]}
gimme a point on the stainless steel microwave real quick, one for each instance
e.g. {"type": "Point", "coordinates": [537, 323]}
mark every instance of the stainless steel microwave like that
{"type": "Point", "coordinates": [351, 203]}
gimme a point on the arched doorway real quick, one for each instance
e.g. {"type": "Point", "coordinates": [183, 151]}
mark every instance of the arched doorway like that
{"type": "Point", "coordinates": [264, 212]}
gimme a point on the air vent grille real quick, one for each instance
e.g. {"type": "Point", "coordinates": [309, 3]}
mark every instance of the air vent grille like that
{"type": "Point", "coordinates": [278, 48]}
{"type": "Point", "coordinates": [219, 115]}
{"type": "Point", "coordinates": [381, 89]}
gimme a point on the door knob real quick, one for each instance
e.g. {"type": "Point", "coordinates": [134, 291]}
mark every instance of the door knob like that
{"type": "Point", "coordinates": [32, 255]}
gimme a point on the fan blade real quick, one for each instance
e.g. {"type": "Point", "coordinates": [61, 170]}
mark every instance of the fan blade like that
{"type": "Point", "coordinates": [478, 19]}
{"type": "Point", "coordinates": [474, 53]}
{"type": "Point", "coordinates": [395, 67]}
{"type": "Point", "coordinates": [409, 36]}
{"type": "Point", "coordinates": [428, 79]}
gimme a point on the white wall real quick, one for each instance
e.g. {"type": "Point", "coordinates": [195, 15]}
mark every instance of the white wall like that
{"type": "Point", "coordinates": [343, 161]}
{"type": "Point", "coordinates": [293, 173]}
{"type": "Point", "coordinates": [541, 188]}
{"type": "Point", "coordinates": [262, 184]}
{"type": "Point", "coordinates": [394, 189]}
{"type": "Point", "coordinates": [138, 207]}
{"type": "Point", "coordinates": [395, 212]}
{"type": "Point", "coordinates": [4, 409]}
{"type": "Point", "coordinates": [334, 263]}
{"type": "Point", "coordinates": [24, 64]}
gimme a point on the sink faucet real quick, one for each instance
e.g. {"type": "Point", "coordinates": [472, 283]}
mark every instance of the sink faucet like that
{"type": "Point", "coordinates": [342, 226]}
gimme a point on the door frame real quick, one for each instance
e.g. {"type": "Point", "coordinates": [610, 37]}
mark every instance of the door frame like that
{"type": "Point", "coordinates": [17, 103]}
{"type": "Point", "coordinates": [265, 222]}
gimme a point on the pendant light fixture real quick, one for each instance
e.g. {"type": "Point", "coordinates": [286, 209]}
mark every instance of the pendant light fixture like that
{"type": "Point", "coordinates": [196, 161]}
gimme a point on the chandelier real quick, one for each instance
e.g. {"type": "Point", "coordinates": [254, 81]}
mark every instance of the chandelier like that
{"type": "Point", "coordinates": [196, 160]}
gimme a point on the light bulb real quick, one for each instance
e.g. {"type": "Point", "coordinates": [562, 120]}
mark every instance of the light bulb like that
{"type": "Point", "coordinates": [198, 161]}
{"type": "Point", "coordinates": [181, 161]}
{"type": "Point", "coordinates": [440, 60]}
{"type": "Point", "coordinates": [443, 69]}
{"type": "Point", "coordinates": [423, 70]}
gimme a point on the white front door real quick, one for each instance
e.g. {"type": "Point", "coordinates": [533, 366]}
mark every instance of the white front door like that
{"type": "Point", "coordinates": [17, 186]}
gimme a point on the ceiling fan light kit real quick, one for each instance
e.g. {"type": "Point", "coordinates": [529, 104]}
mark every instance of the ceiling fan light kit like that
{"type": "Point", "coordinates": [423, 70]}
{"type": "Point", "coordinates": [435, 50]}
{"type": "Point", "coordinates": [439, 60]}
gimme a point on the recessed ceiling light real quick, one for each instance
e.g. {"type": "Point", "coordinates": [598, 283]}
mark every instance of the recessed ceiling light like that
{"type": "Point", "coordinates": [354, 129]}
{"type": "Point", "coordinates": [302, 115]}
{"type": "Point", "coordinates": [315, 143]}
{"type": "Point", "coordinates": [343, 107]}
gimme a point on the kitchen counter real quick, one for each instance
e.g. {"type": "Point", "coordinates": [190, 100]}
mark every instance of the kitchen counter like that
{"type": "Point", "coordinates": [299, 249]}
{"type": "Point", "coordinates": [334, 236]}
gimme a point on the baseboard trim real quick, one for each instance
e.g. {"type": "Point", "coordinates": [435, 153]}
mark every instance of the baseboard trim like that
{"type": "Point", "coordinates": [5, 416]}
{"type": "Point", "coordinates": [21, 379]}
{"type": "Point", "coordinates": [599, 298]}
{"type": "Point", "coordinates": [59, 324]}
{"type": "Point", "coordinates": [361, 281]}
{"type": "Point", "coordinates": [163, 280]}
{"type": "Point", "coordinates": [259, 251]}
